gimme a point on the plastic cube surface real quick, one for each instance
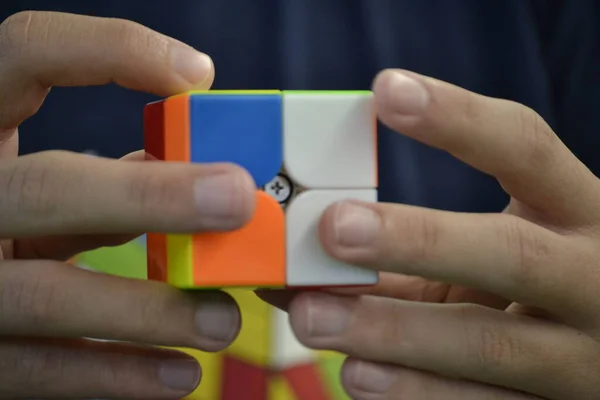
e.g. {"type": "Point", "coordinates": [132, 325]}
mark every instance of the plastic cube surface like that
{"type": "Point", "coordinates": [305, 151]}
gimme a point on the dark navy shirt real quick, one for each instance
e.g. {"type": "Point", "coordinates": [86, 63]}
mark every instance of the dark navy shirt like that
{"type": "Point", "coordinates": [542, 53]}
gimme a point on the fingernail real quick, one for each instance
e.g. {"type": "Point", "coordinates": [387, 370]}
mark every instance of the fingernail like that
{"type": "Point", "coordinates": [181, 375]}
{"type": "Point", "coordinates": [371, 378]}
{"type": "Point", "coordinates": [217, 321]}
{"type": "Point", "coordinates": [220, 195]}
{"type": "Point", "coordinates": [147, 156]}
{"type": "Point", "coordinates": [327, 315]}
{"type": "Point", "coordinates": [355, 225]}
{"type": "Point", "coordinates": [190, 64]}
{"type": "Point", "coordinates": [405, 95]}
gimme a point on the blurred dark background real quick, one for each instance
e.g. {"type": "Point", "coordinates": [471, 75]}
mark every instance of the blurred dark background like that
{"type": "Point", "coordinates": [542, 53]}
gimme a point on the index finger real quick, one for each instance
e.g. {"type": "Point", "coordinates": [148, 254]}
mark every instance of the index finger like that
{"type": "Point", "coordinates": [62, 193]}
{"type": "Point", "coordinates": [45, 49]}
{"type": "Point", "coordinates": [501, 138]}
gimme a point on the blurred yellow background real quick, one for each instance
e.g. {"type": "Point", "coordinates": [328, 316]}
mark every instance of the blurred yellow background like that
{"type": "Point", "coordinates": [264, 363]}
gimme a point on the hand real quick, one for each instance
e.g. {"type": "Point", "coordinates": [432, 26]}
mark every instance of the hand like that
{"type": "Point", "coordinates": [56, 204]}
{"type": "Point", "coordinates": [470, 306]}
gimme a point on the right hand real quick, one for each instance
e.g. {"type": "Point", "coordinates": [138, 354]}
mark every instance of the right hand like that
{"type": "Point", "coordinates": [57, 204]}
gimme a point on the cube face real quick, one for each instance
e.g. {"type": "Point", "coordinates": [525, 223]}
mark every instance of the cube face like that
{"type": "Point", "coordinates": [305, 151]}
{"type": "Point", "coordinates": [307, 262]}
{"type": "Point", "coordinates": [177, 128]}
{"type": "Point", "coordinates": [154, 138]}
{"type": "Point", "coordinates": [241, 129]}
{"type": "Point", "coordinates": [253, 256]}
{"type": "Point", "coordinates": [330, 139]}
{"type": "Point", "coordinates": [166, 129]}
{"type": "Point", "coordinates": [179, 269]}
{"type": "Point", "coordinates": [156, 254]}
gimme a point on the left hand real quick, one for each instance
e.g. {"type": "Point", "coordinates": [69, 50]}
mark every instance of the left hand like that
{"type": "Point", "coordinates": [470, 306]}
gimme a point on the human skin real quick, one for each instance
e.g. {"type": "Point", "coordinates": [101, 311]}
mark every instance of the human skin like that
{"type": "Point", "coordinates": [470, 306]}
{"type": "Point", "coordinates": [56, 204]}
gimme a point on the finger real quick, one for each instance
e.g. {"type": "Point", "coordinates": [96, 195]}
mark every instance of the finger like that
{"type": "Point", "coordinates": [396, 286]}
{"type": "Point", "coordinates": [58, 193]}
{"type": "Point", "coordinates": [44, 49]}
{"type": "Point", "coordinates": [458, 341]}
{"type": "Point", "coordinates": [414, 288]}
{"type": "Point", "coordinates": [500, 254]}
{"type": "Point", "coordinates": [138, 155]}
{"type": "Point", "coordinates": [399, 286]}
{"type": "Point", "coordinates": [402, 287]}
{"type": "Point", "coordinates": [62, 248]}
{"type": "Point", "coordinates": [368, 381]}
{"type": "Point", "coordinates": [56, 300]}
{"type": "Point", "coordinates": [49, 369]}
{"type": "Point", "coordinates": [498, 137]}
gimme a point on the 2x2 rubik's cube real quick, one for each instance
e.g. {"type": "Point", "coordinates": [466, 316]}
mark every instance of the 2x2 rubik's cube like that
{"type": "Point", "coordinates": [305, 151]}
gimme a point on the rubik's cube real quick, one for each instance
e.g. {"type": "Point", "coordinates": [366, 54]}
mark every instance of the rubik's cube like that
{"type": "Point", "coordinates": [305, 151]}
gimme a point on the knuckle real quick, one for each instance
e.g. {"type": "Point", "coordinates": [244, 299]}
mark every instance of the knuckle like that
{"type": "Point", "coordinates": [126, 377]}
{"type": "Point", "coordinates": [390, 333]}
{"type": "Point", "coordinates": [31, 187]}
{"type": "Point", "coordinates": [489, 345]}
{"type": "Point", "coordinates": [387, 324]}
{"type": "Point", "coordinates": [157, 315]}
{"type": "Point", "coordinates": [31, 301]}
{"type": "Point", "coordinates": [35, 365]}
{"type": "Point", "coordinates": [525, 250]}
{"type": "Point", "coordinates": [537, 137]}
{"type": "Point", "coordinates": [15, 32]}
{"type": "Point", "coordinates": [150, 310]}
{"type": "Point", "coordinates": [23, 31]}
{"type": "Point", "coordinates": [115, 378]}
{"type": "Point", "coordinates": [471, 105]}
{"type": "Point", "coordinates": [27, 367]}
{"type": "Point", "coordinates": [420, 240]}
{"type": "Point", "coordinates": [48, 359]}
{"type": "Point", "coordinates": [135, 38]}
{"type": "Point", "coordinates": [495, 347]}
{"type": "Point", "coordinates": [154, 195]}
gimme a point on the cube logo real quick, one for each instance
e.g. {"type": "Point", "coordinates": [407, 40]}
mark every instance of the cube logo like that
{"type": "Point", "coordinates": [281, 188]}
{"type": "Point", "coordinates": [304, 150]}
